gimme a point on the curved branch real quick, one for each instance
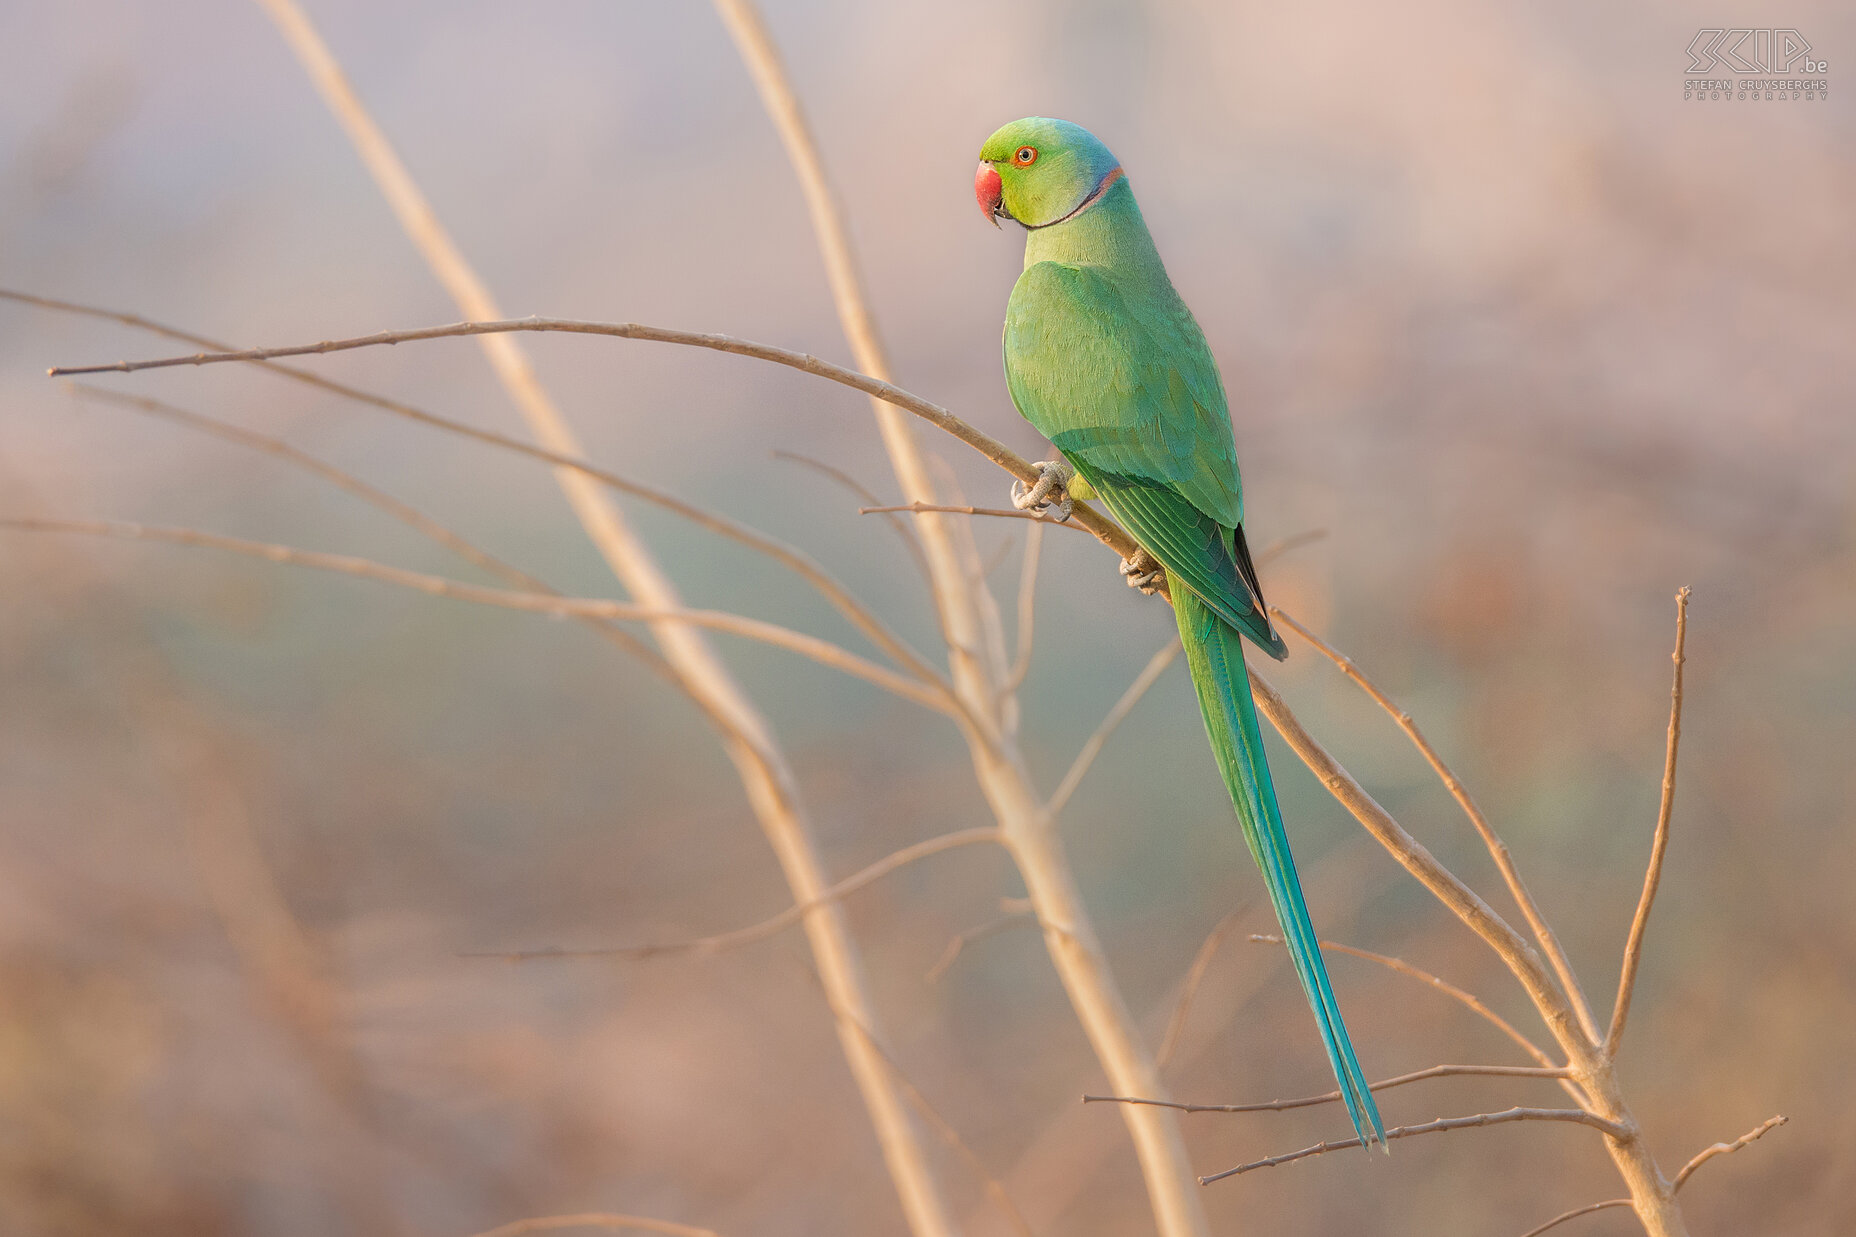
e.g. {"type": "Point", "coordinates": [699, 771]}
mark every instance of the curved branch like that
{"type": "Point", "coordinates": [1467, 999]}
{"type": "Point", "coordinates": [793, 559]}
{"type": "Point", "coordinates": [1149, 675]}
{"type": "Point", "coordinates": [596, 1219]}
{"type": "Point", "coordinates": [821, 651]}
{"type": "Point", "coordinates": [1751, 1136]}
{"type": "Point", "coordinates": [1497, 848]}
{"type": "Point", "coordinates": [1575, 1213]}
{"type": "Point", "coordinates": [1104, 529]}
{"type": "Point", "coordinates": [1310, 1101]}
{"type": "Point", "coordinates": [1576, 1116]}
{"type": "Point", "coordinates": [1445, 885]}
{"type": "Point", "coordinates": [767, 927]}
{"type": "Point", "coordinates": [406, 514]}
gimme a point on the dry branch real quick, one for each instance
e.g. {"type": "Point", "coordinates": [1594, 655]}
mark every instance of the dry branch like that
{"type": "Point", "coordinates": [596, 1219]}
{"type": "Point", "coordinates": [1575, 1213]}
{"type": "Point", "coordinates": [1497, 848]}
{"type": "Point", "coordinates": [1195, 975]}
{"type": "Point", "coordinates": [1118, 713]}
{"type": "Point", "coordinates": [1441, 1125]}
{"type": "Point", "coordinates": [773, 925]}
{"type": "Point", "coordinates": [1708, 1153]}
{"type": "Point", "coordinates": [1653, 874]}
{"type": "Point", "coordinates": [1101, 526]}
{"type": "Point", "coordinates": [943, 1128]}
{"type": "Point", "coordinates": [958, 943]}
{"type": "Point", "coordinates": [811, 647]}
{"type": "Point", "coordinates": [1310, 1101]}
{"type": "Point", "coordinates": [1469, 1000]}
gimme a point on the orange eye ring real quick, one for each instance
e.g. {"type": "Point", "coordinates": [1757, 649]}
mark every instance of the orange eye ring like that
{"type": "Point", "coordinates": [1025, 156]}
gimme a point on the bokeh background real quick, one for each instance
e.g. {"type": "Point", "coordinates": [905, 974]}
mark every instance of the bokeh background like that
{"type": "Point", "coordinates": [1531, 338]}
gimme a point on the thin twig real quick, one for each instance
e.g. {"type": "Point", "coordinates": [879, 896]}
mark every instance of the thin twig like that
{"type": "Point", "coordinates": [958, 944]}
{"type": "Point", "coordinates": [1653, 875]}
{"type": "Point", "coordinates": [1497, 848]}
{"type": "Point", "coordinates": [1310, 1101]}
{"type": "Point", "coordinates": [793, 559]}
{"type": "Point", "coordinates": [1026, 610]}
{"type": "Point", "coordinates": [1462, 901]}
{"type": "Point", "coordinates": [767, 927]}
{"type": "Point", "coordinates": [1195, 975]}
{"type": "Point", "coordinates": [346, 481]}
{"type": "Point", "coordinates": [821, 651]}
{"type": "Point", "coordinates": [1753, 1135]}
{"type": "Point", "coordinates": [1467, 999]}
{"type": "Point", "coordinates": [1441, 1125]}
{"type": "Point", "coordinates": [943, 1128]}
{"type": "Point", "coordinates": [1149, 675]}
{"type": "Point", "coordinates": [1000, 513]}
{"type": "Point", "coordinates": [596, 1219]}
{"type": "Point", "coordinates": [864, 494]}
{"type": "Point", "coordinates": [1575, 1213]}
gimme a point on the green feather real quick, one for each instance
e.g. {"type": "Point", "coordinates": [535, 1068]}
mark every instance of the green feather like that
{"type": "Point", "coordinates": [1103, 357]}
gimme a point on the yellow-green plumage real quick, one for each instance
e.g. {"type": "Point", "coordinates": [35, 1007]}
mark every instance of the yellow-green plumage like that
{"type": "Point", "coordinates": [1103, 357]}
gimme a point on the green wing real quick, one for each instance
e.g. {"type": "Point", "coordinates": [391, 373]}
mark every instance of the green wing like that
{"type": "Point", "coordinates": [1124, 385]}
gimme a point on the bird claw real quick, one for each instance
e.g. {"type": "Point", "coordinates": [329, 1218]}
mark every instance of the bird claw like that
{"type": "Point", "coordinates": [1143, 572]}
{"type": "Point", "coordinates": [1048, 494]}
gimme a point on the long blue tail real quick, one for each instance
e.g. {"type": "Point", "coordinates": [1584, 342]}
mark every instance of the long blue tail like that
{"type": "Point", "coordinates": [1215, 654]}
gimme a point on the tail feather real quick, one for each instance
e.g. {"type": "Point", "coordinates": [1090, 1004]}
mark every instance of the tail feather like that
{"type": "Point", "coordinates": [1214, 651]}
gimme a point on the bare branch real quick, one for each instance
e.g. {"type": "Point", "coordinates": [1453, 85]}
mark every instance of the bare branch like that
{"type": "Point", "coordinates": [1288, 545]}
{"type": "Point", "coordinates": [944, 1129]}
{"type": "Point", "coordinates": [821, 651]}
{"type": "Point", "coordinates": [992, 927]}
{"type": "Point", "coordinates": [406, 514]}
{"type": "Point", "coordinates": [1575, 1213]}
{"type": "Point", "coordinates": [794, 560]}
{"type": "Point", "coordinates": [1497, 848]}
{"type": "Point", "coordinates": [1310, 1101]}
{"type": "Point", "coordinates": [767, 927]}
{"type": "Point", "coordinates": [1460, 899]}
{"type": "Point", "coordinates": [864, 494]}
{"type": "Point", "coordinates": [596, 1219]}
{"type": "Point", "coordinates": [1467, 999]}
{"type": "Point", "coordinates": [1103, 528]}
{"type": "Point", "coordinates": [1000, 513]}
{"type": "Point", "coordinates": [1441, 1125]}
{"type": "Point", "coordinates": [1653, 875]}
{"type": "Point", "coordinates": [1195, 975]}
{"type": "Point", "coordinates": [1149, 675]}
{"type": "Point", "coordinates": [1753, 1135]}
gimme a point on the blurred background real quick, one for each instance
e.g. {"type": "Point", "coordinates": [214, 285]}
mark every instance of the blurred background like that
{"type": "Point", "coordinates": [1532, 339]}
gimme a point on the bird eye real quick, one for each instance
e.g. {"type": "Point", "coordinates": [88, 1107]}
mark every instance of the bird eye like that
{"type": "Point", "coordinates": [1025, 156]}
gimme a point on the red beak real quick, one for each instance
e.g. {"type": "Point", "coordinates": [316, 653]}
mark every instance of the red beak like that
{"type": "Point", "coordinates": [989, 192]}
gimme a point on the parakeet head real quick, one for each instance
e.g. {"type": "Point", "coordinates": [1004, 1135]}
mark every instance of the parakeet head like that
{"type": "Point", "coordinates": [1039, 172]}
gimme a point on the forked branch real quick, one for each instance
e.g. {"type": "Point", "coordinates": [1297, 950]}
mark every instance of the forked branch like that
{"type": "Point", "coordinates": [1497, 848]}
{"type": "Point", "coordinates": [1330, 1097]}
{"type": "Point", "coordinates": [1442, 1125]}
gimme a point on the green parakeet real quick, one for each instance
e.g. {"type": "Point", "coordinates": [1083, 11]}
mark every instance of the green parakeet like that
{"type": "Point", "coordinates": [1103, 357]}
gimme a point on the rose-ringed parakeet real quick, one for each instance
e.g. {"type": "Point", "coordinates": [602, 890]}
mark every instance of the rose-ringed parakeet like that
{"type": "Point", "coordinates": [1103, 357]}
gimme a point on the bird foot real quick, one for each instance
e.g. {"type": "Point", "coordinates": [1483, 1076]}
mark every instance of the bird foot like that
{"type": "Point", "coordinates": [1049, 494]}
{"type": "Point", "coordinates": [1143, 572]}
